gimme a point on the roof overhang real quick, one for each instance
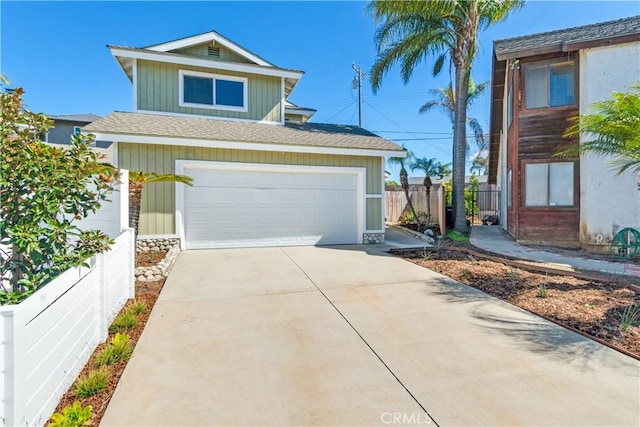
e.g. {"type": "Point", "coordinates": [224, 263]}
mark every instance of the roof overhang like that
{"type": "Point", "coordinates": [301, 111]}
{"type": "Point", "coordinates": [127, 55]}
{"type": "Point", "coordinates": [240, 145]}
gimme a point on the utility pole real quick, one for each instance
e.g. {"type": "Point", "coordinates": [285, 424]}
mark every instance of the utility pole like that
{"type": "Point", "coordinates": [357, 82]}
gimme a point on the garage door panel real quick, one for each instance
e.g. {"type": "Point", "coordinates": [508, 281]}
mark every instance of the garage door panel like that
{"type": "Point", "coordinates": [245, 207]}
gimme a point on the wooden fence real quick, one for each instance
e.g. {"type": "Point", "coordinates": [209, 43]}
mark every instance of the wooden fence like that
{"type": "Point", "coordinates": [396, 203]}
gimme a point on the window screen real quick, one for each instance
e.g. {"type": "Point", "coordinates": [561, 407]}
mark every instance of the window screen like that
{"type": "Point", "coordinates": [198, 90]}
{"type": "Point", "coordinates": [536, 87]}
{"type": "Point", "coordinates": [561, 85]}
{"type": "Point", "coordinates": [549, 184]}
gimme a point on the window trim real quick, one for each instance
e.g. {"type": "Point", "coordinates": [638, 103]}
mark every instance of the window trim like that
{"type": "Point", "coordinates": [549, 63]}
{"type": "Point", "coordinates": [214, 77]}
{"type": "Point", "coordinates": [523, 186]}
{"type": "Point", "coordinates": [77, 130]}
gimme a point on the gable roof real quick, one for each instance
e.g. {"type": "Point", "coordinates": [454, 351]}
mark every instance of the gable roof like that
{"type": "Point", "coordinates": [566, 39]}
{"type": "Point", "coordinates": [195, 131]}
{"type": "Point", "coordinates": [84, 118]}
{"type": "Point", "coordinates": [211, 36]}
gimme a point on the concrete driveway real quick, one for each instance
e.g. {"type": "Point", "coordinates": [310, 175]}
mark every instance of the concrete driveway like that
{"type": "Point", "coordinates": [348, 336]}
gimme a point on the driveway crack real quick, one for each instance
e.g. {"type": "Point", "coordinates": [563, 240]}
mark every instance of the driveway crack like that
{"type": "Point", "coordinates": [362, 338]}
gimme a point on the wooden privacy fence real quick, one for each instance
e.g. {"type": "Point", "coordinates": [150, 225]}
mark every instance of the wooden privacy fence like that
{"type": "Point", "coordinates": [396, 203]}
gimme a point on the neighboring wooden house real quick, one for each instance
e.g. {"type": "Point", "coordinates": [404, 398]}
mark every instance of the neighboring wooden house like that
{"type": "Point", "coordinates": [263, 176]}
{"type": "Point", "coordinates": [539, 82]}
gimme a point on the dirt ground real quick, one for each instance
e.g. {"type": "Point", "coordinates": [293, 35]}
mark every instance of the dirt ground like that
{"type": "Point", "coordinates": [591, 307]}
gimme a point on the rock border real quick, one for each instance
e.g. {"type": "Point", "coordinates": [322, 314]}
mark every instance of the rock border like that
{"type": "Point", "coordinates": [163, 268]}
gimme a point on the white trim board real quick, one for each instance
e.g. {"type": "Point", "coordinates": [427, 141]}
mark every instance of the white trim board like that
{"type": "Point", "coordinates": [208, 37]}
{"type": "Point", "coordinates": [253, 146]}
{"type": "Point", "coordinates": [182, 165]}
{"type": "Point", "coordinates": [205, 63]}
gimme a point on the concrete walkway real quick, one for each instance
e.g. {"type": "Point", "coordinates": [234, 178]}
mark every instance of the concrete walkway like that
{"type": "Point", "coordinates": [495, 239]}
{"type": "Point", "coordinates": [351, 336]}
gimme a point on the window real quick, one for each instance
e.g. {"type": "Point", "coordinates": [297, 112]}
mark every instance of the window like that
{"type": "Point", "coordinates": [549, 85]}
{"type": "Point", "coordinates": [77, 130]}
{"type": "Point", "coordinates": [549, 184]}
{"type": "Point", "coordinates": [510, 106]}
{"type": "Point", "coordinates": [203, 90]}
{"type": "Point", "coordinates": [509, 189]}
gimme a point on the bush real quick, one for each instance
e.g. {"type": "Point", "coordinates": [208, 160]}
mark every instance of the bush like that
{"type": "Point", "coordinates": [93, 382]}
{"type": "Point", "coordinates": [118, 350]}
{"type": "Point", "coordinates": [123, 322]}
{"type": "Point", "coordinates": [407, 217]}
{"type": "Point", "coordinates": [137, 308]}
{"type": "Point", "coordinates": [72, 416]}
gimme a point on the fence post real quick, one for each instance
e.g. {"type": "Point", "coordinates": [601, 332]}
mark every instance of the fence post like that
{"type": "Point", "coordinates": [14, 369]}
{"type": "Point", "coordinates": [102, 296]}
{"type": "Point", "coordinates": [131, 259]}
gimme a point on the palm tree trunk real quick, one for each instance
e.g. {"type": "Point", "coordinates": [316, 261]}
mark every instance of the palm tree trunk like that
{"type": "Point", "coordinates": [135, 198]}
{"type": "Point", "coordinates": [460, 142]}
{"type": "Point", "coordinates": [427, 186]}
{"type": "Point", "coordinates": [404, 182]}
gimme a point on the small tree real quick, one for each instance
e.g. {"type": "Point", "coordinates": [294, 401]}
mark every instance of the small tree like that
{"type": "Point", "coordinates": [404, 182]}
{"type": "Point", "coordinates": [137, 181]}
{"type": "Point", "coordinates": [429, 167]}
{"type": "Point", "coordinates": [44, 191]}
{"type": "Point", "coordinates": [613, 129]}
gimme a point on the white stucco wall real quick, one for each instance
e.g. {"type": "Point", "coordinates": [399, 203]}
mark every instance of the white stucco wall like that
{"type": "Point", "coordinates": [607, 202]}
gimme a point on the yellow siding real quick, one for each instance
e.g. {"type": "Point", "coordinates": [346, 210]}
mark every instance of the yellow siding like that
{"type": "Point", "coordinates": [158, 204]}
{"type": "Point", "coordinates": [158, 91]}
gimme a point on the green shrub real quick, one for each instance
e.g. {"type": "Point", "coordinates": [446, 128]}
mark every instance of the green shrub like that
{"type": "Point", "coordinates": [72, 416]}
{"type": "Point", "coordinates": [407, 217]}
{"type": "Point", "coordinates": [93, 382]}
{"type": "Point", "coordinates": [137, 308]}
{"type": "Point", "coordinates": [118, 350]}
{"type": "Point", "coordinates": [123, 322]}
{"type": "Point", "coordinates": [629, 317]}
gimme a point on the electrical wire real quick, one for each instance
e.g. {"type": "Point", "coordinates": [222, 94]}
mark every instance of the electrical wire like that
{"type": "Point", "coordinates": [326, 120]}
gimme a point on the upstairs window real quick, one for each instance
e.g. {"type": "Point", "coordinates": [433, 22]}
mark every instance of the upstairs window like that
{"type": "Point", "coordinates": [203, 90]}
{"type": "Point", "coordinates": [549, 85]}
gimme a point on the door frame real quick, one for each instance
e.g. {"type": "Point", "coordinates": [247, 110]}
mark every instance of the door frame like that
{"type": "Point", "coordinates": [181, 165]}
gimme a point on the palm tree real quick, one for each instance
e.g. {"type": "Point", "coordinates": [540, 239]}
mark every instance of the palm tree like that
{"type": "Point", "coordinates": [613, 129]}
{"type": "Point", "coordinates": [479, 164]}
{"type": "Point", "coordinates": [137, 181]}
{"type": "Point", "coordinates": [404, 182]}
{"type": "Point", "coordinates": [429, 167]}
{"type": "Point", "coordinates": [412, 31]}
{"type": "Point", "coordinates": [445, 101]}
{"type": "Point", "coordinates": [444, 169]}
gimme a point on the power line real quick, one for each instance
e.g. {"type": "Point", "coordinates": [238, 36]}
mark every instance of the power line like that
{"type": "Point", "coordinates": [416, 133]}
{"type": "Point", "coordinates": [401, 127]}
{"type": "Point", "coordinates": [326, 120]}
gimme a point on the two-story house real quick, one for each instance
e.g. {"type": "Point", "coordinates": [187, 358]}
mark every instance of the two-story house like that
{"type": "Point", "coordinates": [263, 175]}
{"type": "Point", "coordinates": [539, 83]}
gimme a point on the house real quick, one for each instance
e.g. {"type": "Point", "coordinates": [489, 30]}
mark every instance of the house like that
{"type": "Point", "coordinates": [263, 175]}
{"type": "Point", "coordinates": [66, 125]}
{"type": "Point", "coordinates": [539, 82]}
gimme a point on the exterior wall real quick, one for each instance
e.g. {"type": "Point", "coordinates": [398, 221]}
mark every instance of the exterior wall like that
{"type": "Point", "coordinates": [536, 136]}
{"type": "Point", "coordinates": [202, 50]}
{"type": "Point", "coordinates": [61, 133]}
{"type": "Point", "coordinates": [609, 202]}
{"type": "Point", "coordinates": [158, 91]}
{"type": "Point", "coordinates": [158, 203]}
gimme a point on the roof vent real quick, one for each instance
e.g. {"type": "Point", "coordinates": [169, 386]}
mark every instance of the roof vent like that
{"type": "Point", "coordinates": [213, 51]}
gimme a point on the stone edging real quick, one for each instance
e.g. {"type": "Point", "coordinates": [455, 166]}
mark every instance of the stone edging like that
{"type": "Point", "coordinates": [412, 233]}
{"type": "Point", "coordinates": [163, 268]}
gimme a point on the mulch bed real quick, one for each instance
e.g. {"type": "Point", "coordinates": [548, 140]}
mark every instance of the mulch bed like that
{"type": "Point", "coordinates": [147, 259]}
{"type": "Point", "coordinates": [146, 292]}
{"type": "Point", "coordinates": [590, 306]}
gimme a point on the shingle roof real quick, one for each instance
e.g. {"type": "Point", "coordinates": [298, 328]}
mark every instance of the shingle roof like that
{"type": "Point", "coordinates": [299, 134]}
{"type": "Point", "coordinates": [555, 39]}
{"type": "Point", "coordinates": [86, 118]}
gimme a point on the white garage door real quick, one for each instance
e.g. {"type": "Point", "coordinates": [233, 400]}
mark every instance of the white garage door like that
{"type": "Point", "coordinates": [233, 205]}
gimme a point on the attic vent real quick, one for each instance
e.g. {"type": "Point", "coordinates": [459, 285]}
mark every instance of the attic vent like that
{"type": "Point", "coordinates": [214, 51]}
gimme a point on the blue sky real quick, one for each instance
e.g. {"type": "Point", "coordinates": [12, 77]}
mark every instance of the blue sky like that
{"type": "Point", "coordinates": [56, 52]}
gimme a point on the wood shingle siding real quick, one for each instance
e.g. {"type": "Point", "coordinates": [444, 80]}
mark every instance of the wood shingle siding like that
{"type": "Point", "coordinates": [158, 203]}
{"type": "Point", "coordinates": [158, 91]}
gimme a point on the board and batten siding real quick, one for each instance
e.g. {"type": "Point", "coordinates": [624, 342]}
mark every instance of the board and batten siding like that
{"type": "Point", "coordinates": [158, 202]}
{"type": "Point", "coordinates": [158, 91]}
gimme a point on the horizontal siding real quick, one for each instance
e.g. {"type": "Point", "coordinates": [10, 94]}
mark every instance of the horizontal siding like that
{"type": "Point", "coordinates": [158, 202]}
{"type": "Point", "coordinates": [158, 91]}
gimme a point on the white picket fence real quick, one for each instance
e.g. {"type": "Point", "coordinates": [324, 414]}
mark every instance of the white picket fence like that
{"type": "Point", "coordinates": [47, 339]}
